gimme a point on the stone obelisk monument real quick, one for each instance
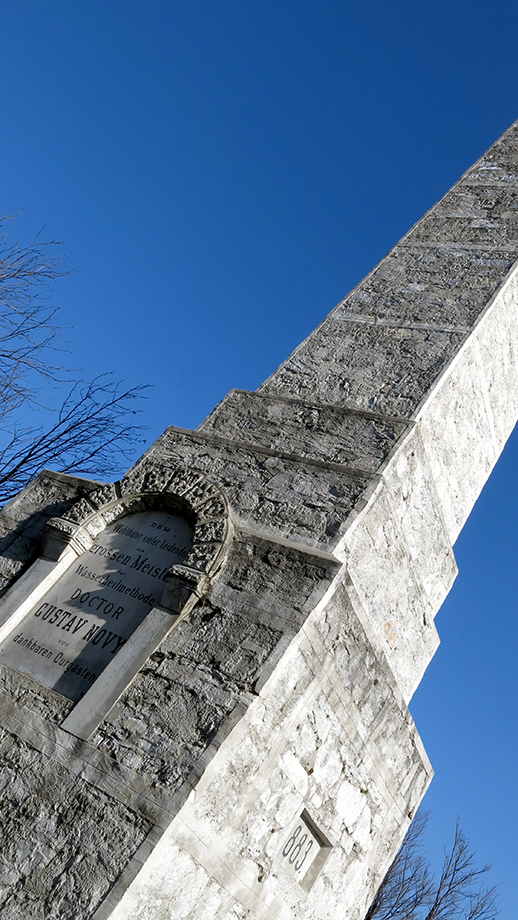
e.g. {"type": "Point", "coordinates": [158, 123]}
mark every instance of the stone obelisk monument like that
{"type": "Point", "coordinates": [205, 667]}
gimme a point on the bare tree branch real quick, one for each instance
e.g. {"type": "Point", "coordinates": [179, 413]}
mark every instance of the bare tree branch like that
{"type": "Point", "coordinates": [95, 426]}
{"type": "Point", "coordinates": [408, 891]}
{"type": "Point", "coordinates": [407, 885]}
{"type": "Point", "coordinates": [458, 893]}
{"type": "Point", "coordinates": [28, 333]}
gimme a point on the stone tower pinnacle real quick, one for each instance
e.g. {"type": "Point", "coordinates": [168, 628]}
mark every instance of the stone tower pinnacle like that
{"type": "Point", "coordinates": [244, 617]}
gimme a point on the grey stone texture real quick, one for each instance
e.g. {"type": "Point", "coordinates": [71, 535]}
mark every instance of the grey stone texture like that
{"type": "Point", "coordinates": [354, 441]}
{"type": "Point", "coordinates": [62, 847]}
{"type": "Point", "coordinates": [327, 504]}
{"type": "Point", "coordinates": [23, 520]}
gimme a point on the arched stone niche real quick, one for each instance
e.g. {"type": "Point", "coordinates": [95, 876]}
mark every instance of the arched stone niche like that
{"type": "Point", "coordinates": [113, 545]}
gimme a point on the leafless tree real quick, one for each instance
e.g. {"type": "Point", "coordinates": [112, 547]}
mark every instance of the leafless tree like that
{"type": "Point", "coordinates": [407, 886]}
{"type": "Point", "coordinates": [95, 423]}
{"type": "Point", "coordinates": [409, 891]}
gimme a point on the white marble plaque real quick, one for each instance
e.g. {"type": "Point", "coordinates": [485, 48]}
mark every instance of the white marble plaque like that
{"type": "Point", "coordinates": [82, 622]}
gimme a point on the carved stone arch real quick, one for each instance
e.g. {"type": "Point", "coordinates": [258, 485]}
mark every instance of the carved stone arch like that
{"type": "Point", "coordinates": [153, 487]}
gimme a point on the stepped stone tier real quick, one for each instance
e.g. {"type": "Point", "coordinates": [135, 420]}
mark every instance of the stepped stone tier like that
{"type": "Point", "coordinates": [205, 667]}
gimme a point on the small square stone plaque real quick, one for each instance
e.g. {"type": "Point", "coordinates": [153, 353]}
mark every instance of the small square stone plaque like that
{"type": "Point", "coordinates": [305, 850]}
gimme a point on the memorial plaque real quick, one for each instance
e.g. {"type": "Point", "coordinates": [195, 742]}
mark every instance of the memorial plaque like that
{"type": "Point", "coordinates": [85, 619]}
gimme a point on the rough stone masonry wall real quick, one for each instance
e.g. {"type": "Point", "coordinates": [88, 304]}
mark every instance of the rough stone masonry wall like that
{"type": "Point", "coordinates": [349, 475]}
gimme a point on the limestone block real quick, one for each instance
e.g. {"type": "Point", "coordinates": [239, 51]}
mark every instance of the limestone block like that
{"type": "Point", "coordinates": [295, 745]}
{"type": "Point", "coordinates": [497, 353]}
{"type": "Point", "coordinates": [366, 366]}
{"type": "Point", "coordinates": [357, 441]}
{"type": "Point", "coordinates": [417, 510]}
{"type": "Point", "coordinates": [289, 497]}
{"type": "Point", "coordinates": [64, 840]}
{"type": "Point", "coordinates": [383, 575]}
{"type": "Point", "coordinates": [425, 283]}
{"type": "Point", "coordinates": [465, 422]}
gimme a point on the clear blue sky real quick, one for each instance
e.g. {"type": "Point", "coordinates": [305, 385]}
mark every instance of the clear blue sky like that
{"type": "Point", "coordinates": [223, 173]}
